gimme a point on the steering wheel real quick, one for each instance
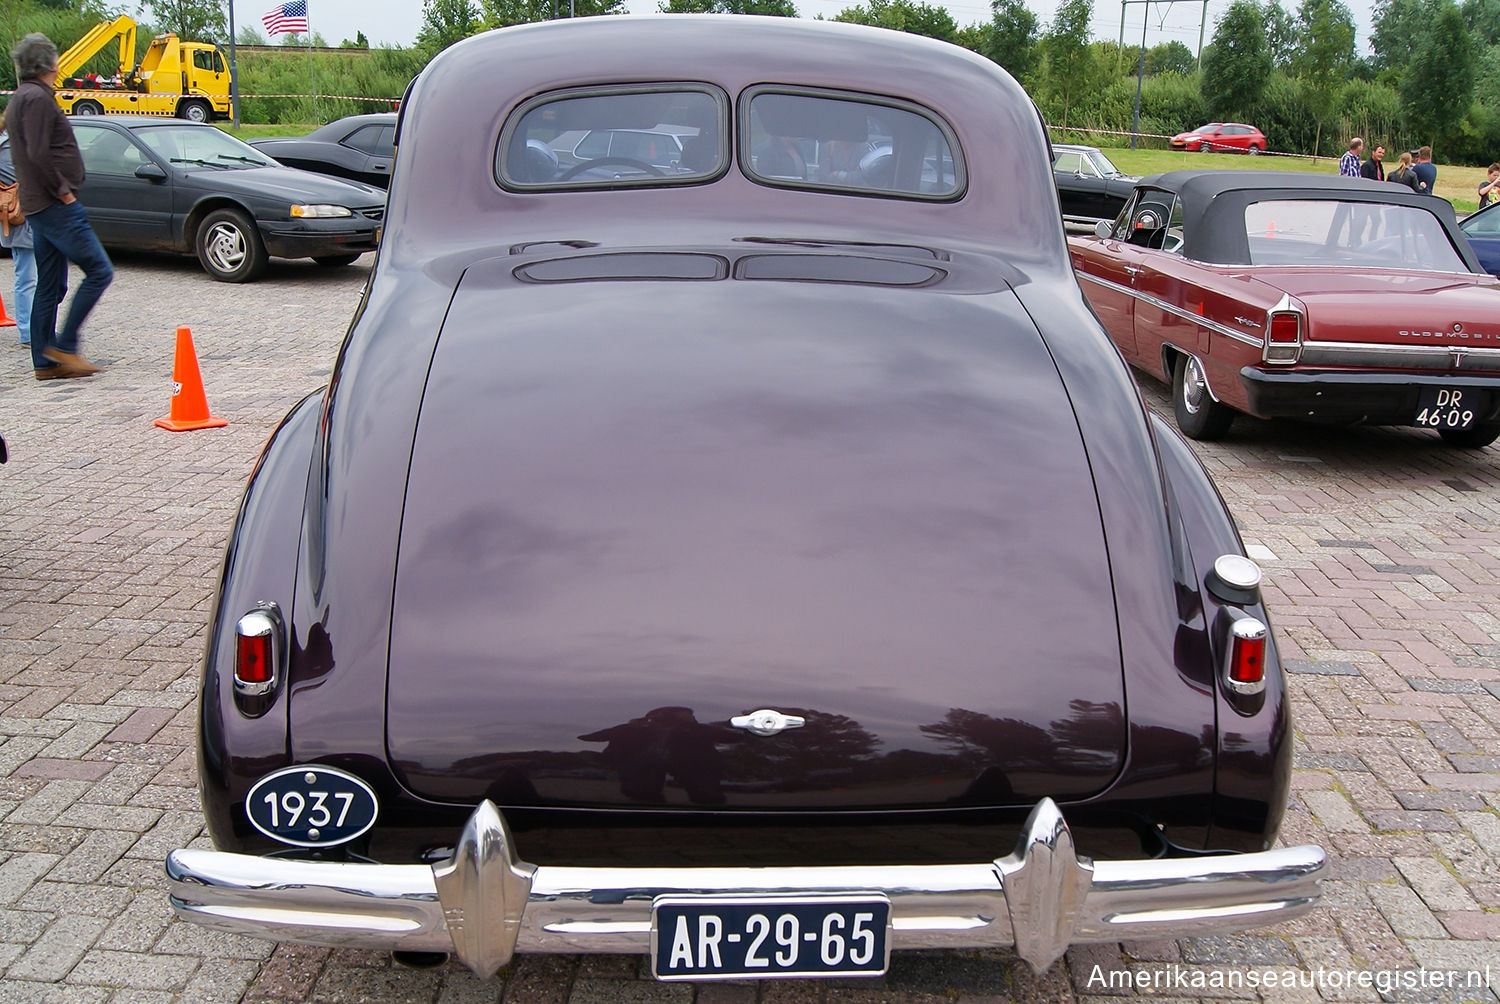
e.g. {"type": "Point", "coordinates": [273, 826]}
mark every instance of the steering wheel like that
{"type": "Point", "coordinates": [588, 165]}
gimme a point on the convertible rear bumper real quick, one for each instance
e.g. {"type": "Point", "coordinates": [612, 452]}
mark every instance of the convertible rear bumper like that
{"type": "Point", "coordinates": [484, 904]}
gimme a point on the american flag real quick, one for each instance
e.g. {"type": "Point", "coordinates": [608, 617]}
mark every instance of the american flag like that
{"type": "Point", "coordinates": [289, 17]}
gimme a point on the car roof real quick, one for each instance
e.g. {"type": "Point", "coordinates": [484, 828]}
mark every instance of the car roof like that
{"type": "Point", "coordinates": [137, 121]}
{"type": "Point", "coordinates": [1075, 147]}
{"type": "Point", "coordinates": [1213, 204]}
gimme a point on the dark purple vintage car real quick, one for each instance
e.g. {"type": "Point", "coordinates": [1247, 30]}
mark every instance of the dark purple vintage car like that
{"type": "Point", "coordinates": [754, 554]}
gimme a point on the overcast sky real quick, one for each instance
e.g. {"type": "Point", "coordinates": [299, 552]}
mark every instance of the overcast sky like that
{"type": "Point", "coordinates": [395, 22]}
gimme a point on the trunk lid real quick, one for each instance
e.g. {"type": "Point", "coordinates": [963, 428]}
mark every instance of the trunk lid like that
{"type": "Point", "coordinates": [639, 509]}
{"type": "Point", "coordinates": [1415, 308]}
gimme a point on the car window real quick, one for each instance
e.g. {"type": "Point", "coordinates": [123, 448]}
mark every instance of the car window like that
{"type": "Point", "coordinates": [1068, 163]}
{"type": "Point", "coordinates": [1100, 163]}
{"type": "Point", "coordinates": [199, 146]}
{"type": "Point", "coordinates": [637, 135]}
{"type": "Point", "coordinates": [867, 146]}
{"type": "Point", "coordinates": [1482, 225]}
{"type": "Point", "coordinates": [657, 148]}
{"type": "Point", "coordinates": [1334, 232]}
{"type": "Point", "coordinates": [106, 151]}
{"type": "Point", "coordinates": [367, 139]}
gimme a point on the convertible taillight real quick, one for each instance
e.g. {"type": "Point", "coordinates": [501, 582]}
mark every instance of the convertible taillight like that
{"type": "Point", "coordinates": [1246, 671]}
{"type": "Point", "coordinates": [257, 655]}
{"type": "Point", "coordinates": [1283, 337]}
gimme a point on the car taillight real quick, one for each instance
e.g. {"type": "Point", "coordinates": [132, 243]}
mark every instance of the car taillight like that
{"type": "Point", "coordinates": [1283, 337]}
{"type": "Point", "coordinates": [257, 652]}
{"type": "Point", "coordinates": [1246, 669]}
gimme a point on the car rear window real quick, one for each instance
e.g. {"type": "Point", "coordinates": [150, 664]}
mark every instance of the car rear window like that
{"type": "Point", "coordinates": [848, 143]}
{"type": "Point", "coordinates": [628, 136]}
{"type": "Point", "coordinates": [1335, 232]}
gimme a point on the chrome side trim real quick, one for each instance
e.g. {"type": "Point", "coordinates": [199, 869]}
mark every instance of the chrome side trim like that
{"type": "Point", "coordinates": [1041, 898]}
{"type": "Point", "coordinates": [1436, 357]}
{"type": "Point", "coordinates": [1176, 311]}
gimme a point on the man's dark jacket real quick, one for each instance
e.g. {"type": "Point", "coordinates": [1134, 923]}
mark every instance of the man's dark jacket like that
{"type": "Point", "coordinates": [48, 164]}
{"type": "Point", "coordinates": [1372, 169]}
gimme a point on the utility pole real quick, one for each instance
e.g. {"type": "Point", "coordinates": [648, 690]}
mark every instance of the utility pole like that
{"type": "Point", "coordinates": [234, 86]}
{"type": "Point", "coordinates": [1202, 23]}
{"type": "Point", "coordinates": [1140, 69]}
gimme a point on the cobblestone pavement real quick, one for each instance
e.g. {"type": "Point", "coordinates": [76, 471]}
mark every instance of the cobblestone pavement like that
{"type": "Point", "coordinates": [1384, 585]}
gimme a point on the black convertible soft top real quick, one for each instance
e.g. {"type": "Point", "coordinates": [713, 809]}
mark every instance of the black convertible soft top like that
{"type": "Point", "coordinates": [1214, 201]}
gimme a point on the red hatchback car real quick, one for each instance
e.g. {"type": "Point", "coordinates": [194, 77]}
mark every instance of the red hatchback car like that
{"type": "Point", "coordinates": [1223, 137]}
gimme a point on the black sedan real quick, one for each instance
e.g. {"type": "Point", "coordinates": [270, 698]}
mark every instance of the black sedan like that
{"type": "Point", "coordinates": [1088, 185]}
{"type": "Point", "coordinates": [170, 185]}
{"type": "Point", "coordinates": [359, 147]}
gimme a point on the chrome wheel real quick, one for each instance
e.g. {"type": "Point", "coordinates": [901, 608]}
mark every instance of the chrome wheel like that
{"type": "Point", "coordinates": [1198, 415]}
{"type": "Point", "coordinates": [225, 246]}
{"type": "Point", "coordinates": [1194, 387]}
{"type": "Point", "coordinates": [229, 247]}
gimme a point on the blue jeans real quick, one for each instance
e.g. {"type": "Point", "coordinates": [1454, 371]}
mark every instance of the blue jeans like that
{"type": "Point", "coordinates": [24, 260]}
{"type": "Point", "coordinates": [61, 233]}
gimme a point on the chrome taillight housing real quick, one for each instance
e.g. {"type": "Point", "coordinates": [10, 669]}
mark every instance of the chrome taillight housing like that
{"type": "Point", "coordinates": [1245, 658]}
{"type": "Point", "coordinates": [259, 656]}
{"type": "Point", "coordinates": [1284, 333]}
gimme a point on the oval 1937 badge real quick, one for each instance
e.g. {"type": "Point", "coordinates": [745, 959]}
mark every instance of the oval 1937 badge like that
{"type": "Point", "coordinates": [311, 805]}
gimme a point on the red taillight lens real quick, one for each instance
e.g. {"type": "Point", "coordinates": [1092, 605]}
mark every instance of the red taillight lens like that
{"type": "Point", "coordinates": [1285, 328]}
{"type": "Point", "coordinates": [252, 659]}
{"type": "Point", "coordinates": [1247, 657]}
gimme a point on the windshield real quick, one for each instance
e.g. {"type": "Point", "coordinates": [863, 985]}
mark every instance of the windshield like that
{"type": "Point", "coordinates": [185, 144]}
{"type": "Point", "coordinates": [1333, 232]}
{"type": "Point", "coordinates": [1211, 127]}
{"type": "Point", "coordinates": [1102, 164]}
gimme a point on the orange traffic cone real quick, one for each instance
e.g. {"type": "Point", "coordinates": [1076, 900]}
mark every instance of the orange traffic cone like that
{"type": "Point", "coordinates": [189, 403]}
{"type": "Point", "coordinates": [6, 321]}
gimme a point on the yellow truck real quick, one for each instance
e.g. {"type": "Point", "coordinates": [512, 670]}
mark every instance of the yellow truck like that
{"type": "Point", "coordinates": [188, 80]}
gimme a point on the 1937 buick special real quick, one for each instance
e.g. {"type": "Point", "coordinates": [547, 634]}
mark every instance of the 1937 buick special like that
{"type": "Point", "coordinates": [763, 563]}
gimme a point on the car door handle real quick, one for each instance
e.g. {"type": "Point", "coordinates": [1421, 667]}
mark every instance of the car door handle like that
{"type": "Point", "coordinates": [1133, 270]}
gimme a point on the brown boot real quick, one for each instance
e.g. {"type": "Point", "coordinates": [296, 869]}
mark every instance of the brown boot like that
{"type": "Point", "coordinates": [52, 373]}
{"type": "Point", "coordinates": [72, 362]}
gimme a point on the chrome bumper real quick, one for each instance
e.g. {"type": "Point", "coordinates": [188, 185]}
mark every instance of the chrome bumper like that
{"type": "Point", "coordinates": [484, 904]}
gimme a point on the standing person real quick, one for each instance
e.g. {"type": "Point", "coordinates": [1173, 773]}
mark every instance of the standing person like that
{"type": "Point", "coordinates": [1426, 171]}
{"type": "Point", "coordinates": [1349, 162]}
{"type": "Point", "coordinates": [1373, 168]}
{"type": "Point", "coordinates": [18, 239]}
{"type": "Point", "coordinates": [49, 170]}
{"type": "Point", "coordinates": [1404, 174]}
{"type": "Point", "coordinates": [1489, 191]}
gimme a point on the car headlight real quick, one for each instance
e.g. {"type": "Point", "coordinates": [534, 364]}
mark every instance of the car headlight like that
{"type": "Point", "coordinates": [320, 212]}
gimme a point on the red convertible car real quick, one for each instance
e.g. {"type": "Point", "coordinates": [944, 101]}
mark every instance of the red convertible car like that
{"type": "Point", "coordinates": [1290, 296]}
{"type": "Point", "coordinates": [1221, 137]}
{"type": "Point", "coordinates": [762, 564]}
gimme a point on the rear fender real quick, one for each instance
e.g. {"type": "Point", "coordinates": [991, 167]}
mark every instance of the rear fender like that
{"type": "Point", "coordinates": [1253, 740]}
{"type": "Point", "coordinates": [260, 565]}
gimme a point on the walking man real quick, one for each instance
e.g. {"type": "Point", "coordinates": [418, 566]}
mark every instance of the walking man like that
{"type": "Point", "coordinates": [1349, 162]}
{"type": "Point", "coordinates": [49, 171]}
{"type": "Point", "coordinates": [1373, 169]}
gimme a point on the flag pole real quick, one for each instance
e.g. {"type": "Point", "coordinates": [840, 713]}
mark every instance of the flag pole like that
{"type": "Point", "coordinates": [312, 77]}
{"type": "Point", "coordinates": [234, 91]}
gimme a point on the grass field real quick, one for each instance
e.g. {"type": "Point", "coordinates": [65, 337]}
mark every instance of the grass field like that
{"type": "Point", "coordinates": [1458, 185]}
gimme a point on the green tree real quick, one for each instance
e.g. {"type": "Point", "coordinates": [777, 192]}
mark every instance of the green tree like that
{"type": "Point", "coordinates": [1170, 57]}
{"type": "Point", "coordinates": [1012, 37]}
{"type": "Point", "coordinates": [445, 22]}
{"type": "Point", "coordinates": [1065, 47]}
{"type": "Point", "coordinates": [1281, 34]}
{"type": "Point", "coordinates": [1483, 20]}
{"type": "Point", "coordinates": [1436, 90]}
{"type": "Point", "coordinates": [359, 42]}
{"type": "Point", "coordinates": [191, 20]}
{"type": "Point", "coordinates": [1399, 27]}
{"type": "Point", "coordinates": [903, 15]}
{"type": "Point", "coordinates": [500, 13]}
{"type": "Point", "coordinates": [774, 8]}
{"type": "Point", "coordinates": [1237, 65]}
{"type": "Point", "coordinates": [1324, 55]}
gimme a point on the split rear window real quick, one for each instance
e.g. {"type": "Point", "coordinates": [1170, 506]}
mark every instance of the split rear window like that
{"type": "Point", "coordinates": [658, 135]}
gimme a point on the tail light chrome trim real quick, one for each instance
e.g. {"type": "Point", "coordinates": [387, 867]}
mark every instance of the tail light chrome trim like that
{"type": "Point", "coordinates": [260, 633]}
{"type": "Point", "coordinates": [1245, 656]}
{"type": "Point", "coordinates": [1279, 349]}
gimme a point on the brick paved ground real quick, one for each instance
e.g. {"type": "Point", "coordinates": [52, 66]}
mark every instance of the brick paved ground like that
{"type": "Point", "coordinates": [1383, 584]}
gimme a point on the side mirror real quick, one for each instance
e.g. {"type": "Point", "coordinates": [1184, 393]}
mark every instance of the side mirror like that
{"type": "Point", "coordinates": [151, 172]}
{"type": "Point", "coordinates": [1102, 229]}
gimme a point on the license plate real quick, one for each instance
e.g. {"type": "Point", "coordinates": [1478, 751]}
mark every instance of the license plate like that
{"type": "Point", "coordinates": [718, 937]}
{"type": "Point", "coordinates": [1447, 407]}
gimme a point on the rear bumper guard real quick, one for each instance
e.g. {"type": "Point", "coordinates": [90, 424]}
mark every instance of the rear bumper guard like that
{"type": "Point", "coordinates": [484, 904]}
